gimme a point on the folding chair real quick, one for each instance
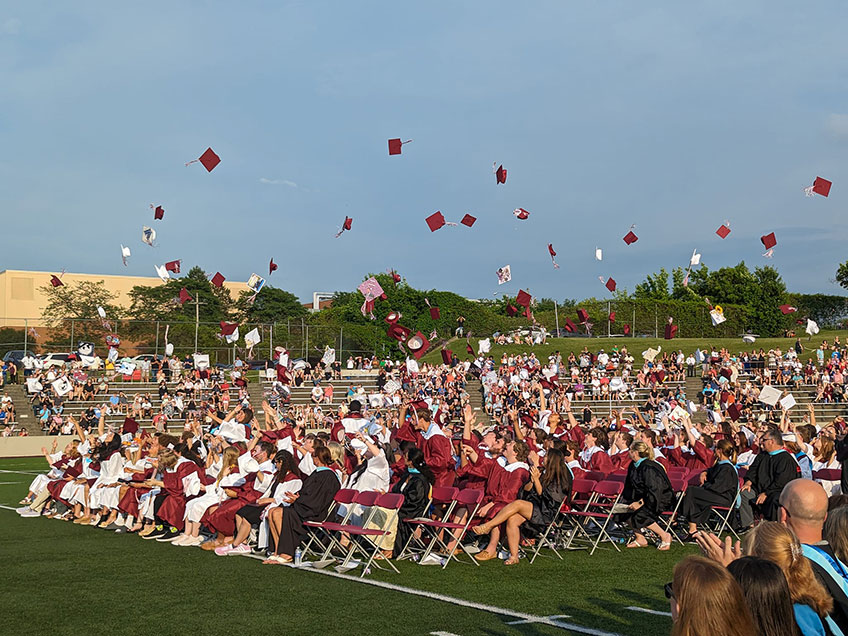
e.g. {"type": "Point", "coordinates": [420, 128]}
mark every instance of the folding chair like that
{"type": "Point", "coordinates": [679, 487]}
{"type": "Point", "coordinates": [617, 477]}
{"type": "Point", "coordinates": [595, 475]}
{"type": "Point", "coordinates": [469, 499]}
{"type": "Point", "coordinates": [606, 495]}
{"type": "Point", "coordinates": [331, 528]}
{"type": "Point", "coordinates": [343, 497]}
{"type": "Point", "coordinates": [369, 547]}
{"type": "Point", "coordinates": [678, 471]}
{"type": "Point", "coordinates": [725, 512]}
{"type": "Point", "coordinates": [440, 496]}
{"type": "Point", "coordinates": [581, 494]}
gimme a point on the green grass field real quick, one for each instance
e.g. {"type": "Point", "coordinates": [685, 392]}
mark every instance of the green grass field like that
{"type": "Point", "coordinates": [63, 578]}
{"type": "Point", "coordinates": [637, 345]}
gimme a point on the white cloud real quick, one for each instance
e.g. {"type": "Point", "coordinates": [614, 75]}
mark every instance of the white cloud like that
{"type": "Point", "coordinates": [837, 125]}
{"type": "Point", "coordinates": [12, 26]}
{"type": "Point", "coordinates": [290, 184]}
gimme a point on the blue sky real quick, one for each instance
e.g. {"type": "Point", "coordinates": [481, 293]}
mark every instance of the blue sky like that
{"type": "Point", "coordinates": [672, 116]}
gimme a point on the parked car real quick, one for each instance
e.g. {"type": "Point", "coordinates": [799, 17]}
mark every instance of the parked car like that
{"type": "Point", "coordinates": [148, 356]}
{"type": "Point", "coordinates": [55, 360]}
{"type": "Point", "coordinates": [16, 355]}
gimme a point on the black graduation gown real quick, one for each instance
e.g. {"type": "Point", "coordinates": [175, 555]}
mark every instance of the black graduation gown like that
{"type": "Point", "coordinates": [649, 482]}
{"type": "Point", "coordinates": [314, 501]}
{"type": "Point", "coordinates": [842, 455]}
{"type": "Point", "coordinates": [773, 473]}
{"type": "Point", "coordinates": [415, 489]}
{"type": "Point", "coordinates": [545, 507]}
{"type": "Point", "coordinates": [718, 490]}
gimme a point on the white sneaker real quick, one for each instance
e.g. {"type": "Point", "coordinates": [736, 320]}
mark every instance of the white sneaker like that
{"type": "Point", "coordinates": [192, 542]}
{"type": "Point", "coordinates": [242, 548]}
{"type": "Point", "coordinates": [432, 559]}
{"type": "Point", "coordinates": [29, 512]}
{"type": "Point", "coordinates": [22, 509]}
{"type": "Point", "coordinates": [180, 539]}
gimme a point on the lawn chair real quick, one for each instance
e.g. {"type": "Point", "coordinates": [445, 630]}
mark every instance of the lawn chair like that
{"type": "Point", "coordinates": [582, 491]}
{"type": "Point", "coordinates": [441, 496]}
{"type": "Point", "coordinates": [606, 496]}
{"type": "Point", "coordinates": [469, 499]}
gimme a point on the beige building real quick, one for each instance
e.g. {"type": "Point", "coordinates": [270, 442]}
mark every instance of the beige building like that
{"type": "Point", "coordinates": [21, 299]}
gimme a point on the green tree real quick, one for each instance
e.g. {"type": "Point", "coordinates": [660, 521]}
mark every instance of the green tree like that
{"type": "Point", "coordinates": [842, 275]}
{"type": "Point", "coordinates": [270, 305]}
{"type": "Point", "coordinates": [655, 286]}
{"type": "Point", "coordinates": [71, 312]}
{"type": "Point", "coordinates": [768, 293]}
{"type": "Point", "coordinates": [728, 285]}
{"type": "Point", "coordinates": [679, 291]}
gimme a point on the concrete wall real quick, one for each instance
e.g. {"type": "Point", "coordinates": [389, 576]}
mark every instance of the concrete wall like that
{"type": "Point", "coordinates": [31, 446]}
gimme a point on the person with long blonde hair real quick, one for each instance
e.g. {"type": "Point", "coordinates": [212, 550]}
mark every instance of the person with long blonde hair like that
{"type": "Point", "coordinates": [706, 600]}
{"type": "Point", "coordinates": [811, 601]}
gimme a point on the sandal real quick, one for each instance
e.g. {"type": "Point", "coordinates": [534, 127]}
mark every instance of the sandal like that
{"type": "Point", "coordinates": [664, 546]}
{"type": "Point", "coordinates": [478, 530]}
{"type": "Point", "coordinates": [511, 561]}
{"type": "Point", "coordinates": [636, 544]}
{"type": "Point", "coordinates": [276, 559]}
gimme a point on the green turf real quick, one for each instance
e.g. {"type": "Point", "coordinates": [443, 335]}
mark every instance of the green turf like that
{"type": "Point", "coordinates": [62, 578]}
{"type": "Point", "coordinates": [637, 345]}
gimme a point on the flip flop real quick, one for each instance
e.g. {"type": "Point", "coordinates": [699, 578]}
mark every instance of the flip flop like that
{"type": "Point", "coordinates": [664, 546]}
{"type": "Point", "coordinates": [511, 561]}
{"type": "Point", "coordinates": [636, 544]}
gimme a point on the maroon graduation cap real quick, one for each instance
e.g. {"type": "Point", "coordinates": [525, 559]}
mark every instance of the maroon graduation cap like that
{"type": "Point", "coordinates": [435, 221]}
{"type": "Point", "coordinates": [218, 279]}
{"type": "Point", "coordinates": [670, 331]}
{"type": "Point", "coordinates": [612, 316]}
{"type": "Point", "coordinates": [734, 411]}
{"type": "Point", "coordinates": [447, 356]}
{"type": "Point", "coordinates": [396, 145]}
{"type": "Point", "coordinates": [398, 332]}
{"type": "Point", "coordinates": [468, 220]}
{"type": "Point", "coordinates": [209, 160]}
{"type": "Point", "coordinates": [418, 344]}
{"type": "Point", "coordinates": [158, 212]}
{"type": "Point", "coordinates": [630, 238]}
{"type": "Point", "coordinates": [434, 313]}
{"type": "Point", "coordinates": [272, 267]}
{"type": "Point", "coordinates": [570, 327]}
{"type": "Point", "coordinates": [768, 240]}
{"type": "Point", "coordinates": [788, 309]}
{"type": "Point", "coordinates": [582, 316]}
{"type": "Point", "coordinates": [723, 230]}
{"type": "Point", "coordinates": [393, 317]}
{"type": "Point", "coordinates": [184, 296]}
{"type": "Point", "coordinates": [822, 186]}
{"type": "Point", "coordinates": [511, 309]}
{"type": "Point", "coordinates": [610, 284]}
{"type": "Point", "coordinates": [626, 329]}
{"type": "Point", "coordinates": [56, 281]}
{"type": "Point", "coordinates": [227, 328]}
{"type": "Point", "coordinates": [173, 266]}
{"type": "Point", "coordinates": [523, 298]}
{"type": "Point", "coordinates": [500, 174]}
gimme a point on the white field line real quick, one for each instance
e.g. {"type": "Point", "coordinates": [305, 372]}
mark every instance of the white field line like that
{"type": "Point", "coordinates": [7, 507]}
{"type": "Point", "coordinates": [645, 610]}
{"type": "Point", "coordinates": [19, 472]}
{"type": "Point", "coordinates": [10, 483]}
{"type": "Point", "coordinates": [526, 622]}
{"type": "Point", "coordinates": [530, 618]}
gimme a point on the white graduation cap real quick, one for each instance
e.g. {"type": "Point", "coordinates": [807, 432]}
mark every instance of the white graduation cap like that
{"type": "Point", "coordinates": [252, 338]}
{"type": "Point", "coordinates": [717, 315]}
{"type": "Point", "coordinates": [201, 361]}
{"type": "Point", "coordinates": [599, 254]}
{"type": "Point", "coordinates": [696, 259]}
{"type": "Point", "coordinates": [101, 312]}
{"type": "Point", "coordinates": [62, 386]}
{"type": "Point", "coordinates": [255, 283]}
{"type": "Point", "coordinates": [412, 365]}
{"type": "Point", "coordinates": [787, 402]}
{"type": "Point", "coordinates": [162, 273]}
{"type": "Point", "coordinates": [812, 327]}
{"type": "Point", "coordinates": [699, 356]}
{"type": "Point", "coordinates": [125, 254]}
{"type": "Point", "coordinates": [504, 274]}
{"type": "Point", "coordinates": [769, 395]}
{"type": "Point", "coordinates": [329, 356]}
{"type": "Point", "coordinates": [650, 353]}
{"type": "Point", "coordinates": [484, 346]}
{"type": "Point", "coordinates": [148, 235]}
{"type": "Point", "coordinates": [232, 337]}
{"type": "Point", "coordinates": [749, 338]}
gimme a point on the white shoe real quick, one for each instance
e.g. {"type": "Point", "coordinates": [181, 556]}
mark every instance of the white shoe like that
{"type": "Point", "coordinates": [22, 509]}
{"type": "Point", "coordinates": [179, 540]}
{"type": "Point", "coordinates": [192, 542]}
{"type": "Point", "coordinates": [29, 513]}
{"type": "Point", "coordinates": [432, 559]}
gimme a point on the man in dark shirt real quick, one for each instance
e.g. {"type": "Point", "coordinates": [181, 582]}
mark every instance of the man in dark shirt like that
{"type": "Point", "coordinates": [772, 469]}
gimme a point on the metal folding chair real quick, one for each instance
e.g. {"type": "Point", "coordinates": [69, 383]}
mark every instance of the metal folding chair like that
{"type": "Point", "coordinates": [343, 497]}
{"type": "Point", "coordinates": [606, 495]}
{"type": "Point", "coordinates": [368, 546]}
{"type": "Point", "coordinates": [679, 487]}
{"type": "Point", "coordinates": [468, 499]}
{"type": "Point", "coordinates": [581, 494]}
{"type": "Point", "coordinates": [330, 529]}
{"type": "Point", "coordinates": [443, 497]}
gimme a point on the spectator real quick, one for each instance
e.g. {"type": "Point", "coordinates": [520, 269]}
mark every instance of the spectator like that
{"type": "Point", "coordinates": [767, 593]}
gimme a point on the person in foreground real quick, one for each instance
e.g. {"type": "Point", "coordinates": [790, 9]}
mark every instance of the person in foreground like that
{"type": "Point", "coordinates": [706, 600]}
{"type": "Point", "coordinates": [767, 592]}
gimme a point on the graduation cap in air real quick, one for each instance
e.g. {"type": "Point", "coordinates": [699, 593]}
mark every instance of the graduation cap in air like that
{"type": "Point", "coordinates": [630, 237]}
{"type": "Point", "coordinates": [158, 212]}
{"type": "Point", "coordinates": [468, 220]}
{"type": "Point", "coordinates": [418, 344]}
{"type": "Point", "coordinates": [612, 316]}
{"type": "Point", "coordinates": [209, 160]}
{"type": "Point", "coordinates": [820, 186]}
{"type": "Point", "coordinates": [435, 221]}
{"type": "Point", "coordinates": [553, 255]}
{"type": "Point", "coordinates": [570, 327]}
{"type": "Point", "coordinates": [173, 266]}
{"type": "Point", "coordinates": [500, 173]}
{"type": "Point", "coordinates": [395, 276]}
{"type": "Point", "coordinates": [626, 329]}
{"type": "Point", "coordinates": [434, 311]}
{"type": "Point", "coordinates": [161, 272]}
{"type": "Point", "coordinates": [670, 330]}
{"type": "Point", "coordinates": [447, 356]}
{"type": "Point", "coordinates": [272, 267]}
{"type": "Point", "coordinates": [724, 229]}
{"type": "Point", "coordinates": [393, 317]}
{"type": "Point", "coordinates": [148, 235]}
{"type": "Point", "coordinates": [469, 349]}
{"type": "Point", "coordinates": [610, 284]}
{"type": "Point", "coordinates": [218, 280]}
{"type": "Point", "coordinates": [125, 254]}
{"type": "Point", "coordinates": [788, 309]}
{"type": "Point", "coordinates": [511, 309]}
{"type": "Point", "coordinates": [523, 298]}
{"type": "Point", "coordinates": [348, 223]}
{"type": "Point", "coordinates": [582, 316]}
{"type": "Point", "coordinates": [56, 281]}
{"type": "Point", "coordinates": [768, 240]}
{"type": "Point", "coordinates": [734, 411]}
{"type": "Point", "coordinates": [398, 332]}
{"type": "Point", "coordinates": [184, 296]}
{"type": "Point", "coordinates": [521, 214]}
{"type": "Point", "coordinates": [228, 328]}
{"type": "Point", "coordinates": [396, 145]}
{"type": "Point", "coordinates": [695, 259]}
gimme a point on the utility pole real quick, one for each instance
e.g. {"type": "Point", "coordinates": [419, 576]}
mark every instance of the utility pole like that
{"type": "Point", "coordinates": [197, 304]}
{"type": "Point", "coordinates": [556, 317]}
